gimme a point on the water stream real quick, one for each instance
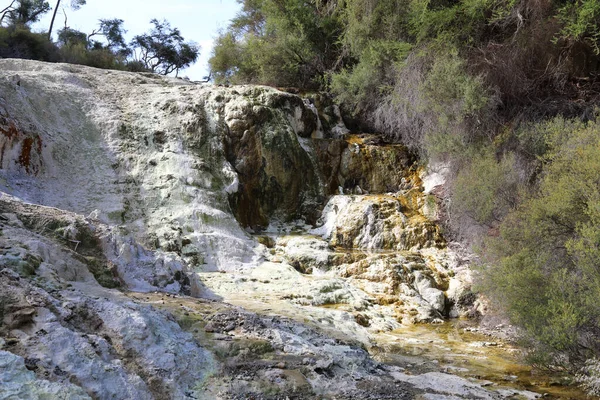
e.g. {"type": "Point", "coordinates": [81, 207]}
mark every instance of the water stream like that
{"type": "Point", "coordinates": [452, 347]}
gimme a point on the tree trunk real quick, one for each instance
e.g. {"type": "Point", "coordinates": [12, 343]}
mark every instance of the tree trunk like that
{"type": "Point", "coordinates": [53, 18]}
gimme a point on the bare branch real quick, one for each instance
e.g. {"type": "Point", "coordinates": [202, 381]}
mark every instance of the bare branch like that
{"type": "Point", "coordinates": [6, 11]}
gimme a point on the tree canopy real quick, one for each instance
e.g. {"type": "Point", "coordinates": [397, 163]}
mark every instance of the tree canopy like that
{"type": "Point", "coordinates": [163, 50]}
{"type": "Point", "coordinates": [23, 12]}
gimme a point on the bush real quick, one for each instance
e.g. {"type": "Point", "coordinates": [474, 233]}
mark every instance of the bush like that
{"type": "Point", "coordinates": [435, 106]}
{"type": "Point", "coordinates": [78, 53]}
{"type": "Point", "coordinates": [20, 42]}
{"type": "Point", "coordinates": [545, 265]}
{"type": "Point", "coordinates": [581, 21]}
{"type": "Point", "coordinates": [454, 98]}
{"type": "Point", "coordinates": [486, 189]}
{"type": "Point", "coordinates": [364, 84]}
{"type": "Point", "coordinates": [279, 43]}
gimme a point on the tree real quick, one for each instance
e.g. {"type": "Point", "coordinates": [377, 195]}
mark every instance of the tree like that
{"type": "Point", "coordinates": [114, 34]}
{"type": "Point", "coordinates": [163, 50]}
{"type": "Point", "coordinates": [280, 43]}
{"type": "Point", "coordinates": [68, 36]}
{"type": "Point", "coordinates": [75, 4]}
{"type": "Point", "coordinates": [23, 12]}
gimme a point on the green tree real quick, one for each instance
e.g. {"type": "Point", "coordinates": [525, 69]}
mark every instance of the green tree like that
{"type": "Point", "coordinates": [279, 42]}
{"type": "Point", "coordinates": [163, 50]}
{"type": "Point", "coordinates": [24, 12]}
{"type": "Point", "coordinates": [68, 36]}
{"type": "Point", "coordinates": [113, 32]}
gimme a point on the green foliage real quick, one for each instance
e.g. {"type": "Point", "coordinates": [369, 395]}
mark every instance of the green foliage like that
{"type": "Point", "coordinates": [366, 81]}
{"type": "Point", "coordinates": [24, 12]}
{"type": "Point", "coordinates": [68, 36]}
{"type": "Point", "coordinates": [451, 90]}
{"type": "Point", "coordinates": [546, 260]}
{"type": "Point", "coordinates": [487, 189]}
{"type": "Point", "coordinates": [367, 20]}
{"type": "Point", "coordinates": [229, 61]}
{"type": "Point", "coordinates": [75, 48]}
{"type": "Point", "coordinates": [581, 22]}
{"type": "Point", "coordinates": [452, 96]}
{"type": "Point", "coordinates": [113, 32]}
{"type": "Point", "coordinates": [20, 42]}
{"type": "Point", "coordinates": [281, 43]}
{"type": "Point", "coordinates": [79, 53]}
{"type": "Point", "coordinates": [162, 50]}
{"type": "Point", "coordinates": [452, 22]}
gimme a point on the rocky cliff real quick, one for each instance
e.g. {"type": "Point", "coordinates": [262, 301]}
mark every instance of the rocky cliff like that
{"type": "Point", "coordinates": [132, 206]}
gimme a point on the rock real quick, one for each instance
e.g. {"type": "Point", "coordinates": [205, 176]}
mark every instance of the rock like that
{"type": "Point", "coordinates": [267, 154]}
{"type": "Point", "coordinates": [436, 299]}
{"type": "Point", "coordinates": [90, 339]}
{"type": "Point", "coordinates": [375, 222]}
{"type": "Point", "coordinates": [19, 318]}
{"type": "Point", "coordinates": [363, 162]}
{"type": "Point", "coordinates": [96, 143]}
{"type": "Point", "coordinates": [20, 383]}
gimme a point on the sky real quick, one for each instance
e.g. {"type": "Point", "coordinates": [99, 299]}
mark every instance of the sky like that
{"type": "Point", "coordinates": [198, 21]}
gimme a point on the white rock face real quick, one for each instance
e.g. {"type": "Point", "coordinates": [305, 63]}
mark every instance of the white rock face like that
{"type": "Point", "coordinates": [435, 177]}
{"type": "Point", "coordinates": [70, 329]}
{"type": "Point", "coordinates": [144, 153]}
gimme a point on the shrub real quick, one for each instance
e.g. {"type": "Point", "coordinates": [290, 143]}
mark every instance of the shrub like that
{"type": "Point", "coordinates": [545, 264]}
{"type": "Point", "coordinates": [78, 53]}
{"type": "Point", "coordinates": [453, 97]}
{"type": "Point", "coordinates": [279, 43]}
{"type": "Point", "coordinates": [20, 42]}
{"type": "Point", "coordinates": [435, 106]}
{"type": "Point", "coordinates": [486, 189]}
{"type": "Point", "coordinates": [581, 22]}
{"type": "Point", "coordinates": [364, 84]}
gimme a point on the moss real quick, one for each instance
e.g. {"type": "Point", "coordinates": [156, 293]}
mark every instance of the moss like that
{"type": "Point", "coordinates": [104, 272]}
{"type": "Point", "coordinates": [25, 266]}
{"type": "Point", "coordinates": [116, 216]}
